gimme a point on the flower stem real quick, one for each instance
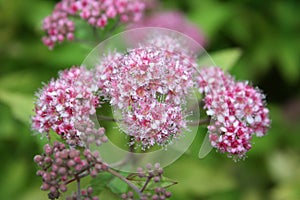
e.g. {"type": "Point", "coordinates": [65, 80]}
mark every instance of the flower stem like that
{"type": "Point", "coordinates": [146, 183]}
{"type": "Point", "coordinates": [78, 189]}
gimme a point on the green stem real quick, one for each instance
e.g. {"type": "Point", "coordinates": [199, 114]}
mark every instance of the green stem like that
{"type": "Point", "coordinates": [146, 183]}
{"type": "Point", "coordinates": [78, 189]}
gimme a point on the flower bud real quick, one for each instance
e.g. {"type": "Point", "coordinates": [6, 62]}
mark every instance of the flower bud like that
{"type": "Point", "coordinates": [45, 186]}
{"type": "Point", "coordinates": [63, 188]}
{"type": "Point", "coordinates": [37, 158]}
{"type": "Point", "coordinates": [48, 149]}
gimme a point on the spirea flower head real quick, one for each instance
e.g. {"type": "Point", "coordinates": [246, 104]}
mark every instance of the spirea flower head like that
{"type": "Point", "coordinates": [172, 20]}
{"type": "Point", "coordinates": [148, 86]}
{"type": "Point", "coordinates": [60, 26]}
{"type": "Point", "coordinates": [65, 105]}
{"type": "Point", "coordinates": [237, 110]}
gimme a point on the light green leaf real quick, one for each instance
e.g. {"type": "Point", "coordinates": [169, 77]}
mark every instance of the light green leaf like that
{"type": "Point", "coordinates": [197, 179]}
{"type": "Point", "coordinates": [23, 81]}
{"type": "Point", "coordinates": [107, 194]}
{"type": "Point", "coordinates": [209, 16]}
{"type": "Point", "coordinates": [224, 59]}
{"type": "Point", "coordinates": [34, 193]}
{"type": "Point", "coordinates": [118, 186]}
{"type": "Point", "coordinates": [21, 105]}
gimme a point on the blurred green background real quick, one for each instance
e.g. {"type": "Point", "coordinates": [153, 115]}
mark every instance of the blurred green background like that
{"type": "Point", "coordinates": [267, 32]}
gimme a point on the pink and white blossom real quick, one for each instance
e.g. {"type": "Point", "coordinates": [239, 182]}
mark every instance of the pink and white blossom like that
{"type": "Point", "coordinates": [60, 25]}
{"type": "Point", "coordinates": [65, 105]}
{"type": "Point", "coordinates": [149, 85]}
{"type": "Point", "coordinates": [237, 110]}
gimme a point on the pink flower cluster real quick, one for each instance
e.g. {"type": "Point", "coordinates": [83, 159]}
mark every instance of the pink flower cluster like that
{"type": "Point", "coordinates": [172, 20]}
{"type": "Point", "coordinates": [59, 25]}
{"type": "Point", "coordinates": [148, 85]}
{"type": "Point", "coordinates": [237, 110]}
{"type": "Point", "coordinates": [65, 105]}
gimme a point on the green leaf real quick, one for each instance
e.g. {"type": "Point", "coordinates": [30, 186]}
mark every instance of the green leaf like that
{"type": "Point", "coordinates": [107, 194]}
{"type": "Point", "coordinates": [21, 105]}
{"type": "Point", "coordinates": [100, 182]}
{"type": "Point", "coordinates": [20, 81]}
{"type": "Point", "coordinates": [6, 123]}
{"type": "Point", "coordinates": [135, 179]}
{"type": "Point", "coordinates": [15, 179]}
{"type": "Point", "coordinates": [34, 193]}
{"type": "Point", "coordinates": [224, 59]}
{"type": "Point", "coordinates": [164, 182]}
{"type": "Point", "coordinates": [288, 57]}
{"type": "Point", "coordinates": [210, 16]}
{"type": "Point", "coordinates": [197, 178]}
{"type": "Point", "coordinates": [117, 186]}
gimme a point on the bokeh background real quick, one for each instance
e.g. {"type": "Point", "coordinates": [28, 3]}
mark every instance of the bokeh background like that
{"type": "Point", "coordinates": [267, 33]}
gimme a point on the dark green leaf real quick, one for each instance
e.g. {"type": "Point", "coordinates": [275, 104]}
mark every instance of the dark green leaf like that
{"type": "Point", "coordinates": [100, 182]}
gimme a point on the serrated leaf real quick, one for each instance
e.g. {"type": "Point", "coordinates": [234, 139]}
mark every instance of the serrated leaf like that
{"type": "Point", "coordinates": [164, 182]}
{"type": "Point", "coordinates": [205, 147]}
{"type": "Point", "coordinates": [135, 179]}
{"type": "Point", "coordinates": [100, 182]}
{"type": "Point", "coordinates": [224, 59]}
{"type": "Point", "coordinates": [167, 182]}
{"type": "Point", "coordinates": [117, 186]}
{"type": "Point", "coordinates": [21, 105]}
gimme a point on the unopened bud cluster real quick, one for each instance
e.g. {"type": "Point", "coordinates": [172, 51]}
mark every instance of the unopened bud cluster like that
{"type": "Point", "coordinates": [159, 193]}
{"type": "Point", "coordinates": [151, 172]}
{"type": "Point", "coordinates": [151, 175]}
{"type": "Point", "coordinates": [60, 165]}
{"type": "Point", "coordinates": [85, 195]}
